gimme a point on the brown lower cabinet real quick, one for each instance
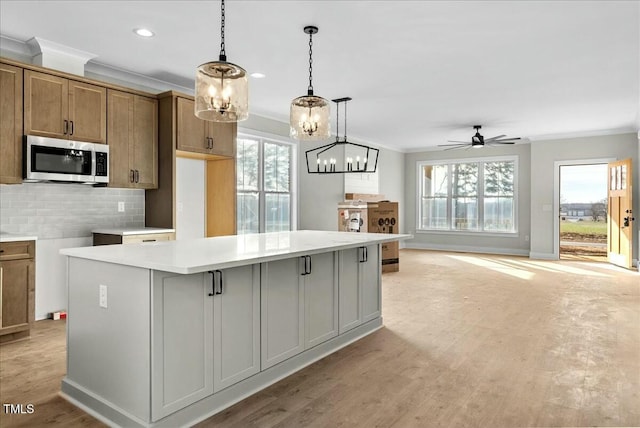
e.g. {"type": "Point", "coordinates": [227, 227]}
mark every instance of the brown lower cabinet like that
{"type": "Point", "coordinates": [17, 289]}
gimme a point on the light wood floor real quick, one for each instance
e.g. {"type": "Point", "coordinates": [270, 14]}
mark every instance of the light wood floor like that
{"type": "Point", "coordinates": [469, 340]}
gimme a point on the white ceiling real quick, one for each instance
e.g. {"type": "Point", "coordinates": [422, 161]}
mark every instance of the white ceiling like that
{"type": "Point", "coordinates": [419, 72]}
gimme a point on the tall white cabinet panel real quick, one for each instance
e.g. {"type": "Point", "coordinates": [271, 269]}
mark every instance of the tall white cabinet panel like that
{"type": "Point", "coordinates": [321, 298]}
{"type": "Point", "coordinates": [350, 308]}
{"type": "Point", "coordinates": [370, 282]}
{"type": "Point", "coordinates": [282, 310]}
{"type": "Point", "coordinates": [236, 332]}
{"type": "Point", "coordinates": [190, 198]}
{"type": "Point", "coordinates": [182, 341]}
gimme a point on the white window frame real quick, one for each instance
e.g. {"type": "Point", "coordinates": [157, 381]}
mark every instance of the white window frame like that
{"type": "Point", "coordinates": [450, 229]}
{"type": "Point", "coordinates": [263, 137]}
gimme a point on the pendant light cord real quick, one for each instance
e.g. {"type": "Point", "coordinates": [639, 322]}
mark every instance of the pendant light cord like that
{"type": "Point", "coordinates": [223, 52]}
{"type": "Point", "coordinates": [310, 88]}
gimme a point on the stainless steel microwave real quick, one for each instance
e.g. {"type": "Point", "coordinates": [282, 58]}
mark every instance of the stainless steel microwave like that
{"type": "Point", "coordinates": [52, 159]}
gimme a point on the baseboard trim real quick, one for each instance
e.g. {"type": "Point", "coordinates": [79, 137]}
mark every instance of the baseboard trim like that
{"type": "Point", "coordinates": [467, 249]}
{"type": "Point", "coordinates": [542, 256]}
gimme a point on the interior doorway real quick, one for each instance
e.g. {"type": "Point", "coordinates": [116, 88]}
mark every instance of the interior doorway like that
{"type": "Point", "coordinates": [583, 212]}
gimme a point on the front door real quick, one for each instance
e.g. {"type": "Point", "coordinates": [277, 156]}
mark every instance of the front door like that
{"type": "Point", "coordinates": [619, 214]}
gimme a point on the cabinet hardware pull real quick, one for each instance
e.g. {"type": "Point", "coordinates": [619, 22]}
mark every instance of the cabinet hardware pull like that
{"type": "Point", "coordinates": [66, 127]}
{"type": "Point", "coordinates": [309, 271]}
{"type": "Point", "coordinates": [366, 254]}
{"type": "Point", "coordinates": [71, 133]}
{"type": "Point", "coordinates": [361, 255]}
{"type": "Point", "coordinates": [131, 176]}
{"type": "Point", "coordinates": [304, 259]}
{"type": "Point", "coordinates": [148, 240]}
{"type": "Point", "coordinates": [220, 282]}
{"type": "Point", "coordinates": [213, 283]}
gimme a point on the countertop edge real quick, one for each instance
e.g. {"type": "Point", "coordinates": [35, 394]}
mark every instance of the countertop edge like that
{"type": "Point", "coordinates": [146, 264]}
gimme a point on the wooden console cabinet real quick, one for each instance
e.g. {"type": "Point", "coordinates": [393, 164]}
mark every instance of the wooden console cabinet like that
{"type": "Point", "coordinates": [17, 289]}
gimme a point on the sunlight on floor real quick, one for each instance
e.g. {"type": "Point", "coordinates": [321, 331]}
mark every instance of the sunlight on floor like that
{"type": "Point", "coordinates": [558, 267]}
{"type": "Point", "coordinates": [495, 266]}
{"type": "Point", "coordinates": [525, 269]}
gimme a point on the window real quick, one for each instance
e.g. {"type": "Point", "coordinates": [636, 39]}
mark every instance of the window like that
{"type": "Point", "coordinates": [264, 185]}
{"type": "Point", "coordinates": [472, 196]}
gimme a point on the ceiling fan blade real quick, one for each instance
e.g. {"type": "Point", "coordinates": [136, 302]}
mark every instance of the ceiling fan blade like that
{"type": "Point", "coordinates": [494, 138]}
{"type": "Point", "coordinates": [494, 143]}
{"type": "Point", "coordinates": [457, 146]}
{"type": "Point", "coordinates": [508, 139]}
{"type": "Point", "coordinates": [456, 141]}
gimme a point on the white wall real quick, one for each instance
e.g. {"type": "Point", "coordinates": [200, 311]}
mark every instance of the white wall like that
{"type": "Point", "coordinates": [457, 241]}
{"type": "Point", "coordinates": [543, 156]}
{"type": "Point", "coordinates": [190, 198]}
{"type": "Point", "coordinates": [51, 274]}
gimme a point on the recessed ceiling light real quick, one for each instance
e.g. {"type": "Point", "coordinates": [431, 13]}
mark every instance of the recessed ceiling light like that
{"type": "Point", "coordinates": [143, 32]}
{"type": "Point", "coordinates": [258, 75]}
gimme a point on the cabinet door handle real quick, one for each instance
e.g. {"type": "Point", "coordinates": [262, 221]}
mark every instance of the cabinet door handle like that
{"type": "Point", "coordinates": [148, 240]}
{"type": "Point", "coordinates": [130, 176]}
{"type": "Point", "coordinates": [137, 176]}
{"type": "Point", "coordinates": [66, 127]}
{"type": "Point", "coordinates": [366, 254]}
{"type": "Point", "coordinates": [71, 133]}
{"type": "Point", "coordinates": [220, 282]}
{"type": "Point", "coordinates": [303, 259]}
{"type": "Point", "coordinates": [213, 283]}
{"type": "Point", "coordinates": [361, 255]}
{"type": "Point", "coordinates": [309, 271]}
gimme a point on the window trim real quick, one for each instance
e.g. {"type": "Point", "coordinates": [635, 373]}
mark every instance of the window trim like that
{"type": "Point", "coordinates": [450, 230]}
{"type": "Point", "coordinates": [263, 137]}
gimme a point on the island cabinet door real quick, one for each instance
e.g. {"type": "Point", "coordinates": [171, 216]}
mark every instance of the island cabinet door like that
{"type": "Point", "coordinates": [236, 326]}
{"type": "Point", "coordinates": [282, 310]}
{"type": "Point", "coordinates": [181, 341]}
{"type": "Point", "coordinates": [359, 296]}
{"type": "Point", "coordinates": [321, 298]}
{"type": "Point", "coordinates": [350, 314]}
{"type": "Point", "coordinates": [370, 283]}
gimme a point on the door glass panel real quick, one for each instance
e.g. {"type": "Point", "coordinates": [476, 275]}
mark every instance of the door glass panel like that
{"type": "Point", "coordinates": [623, 177]}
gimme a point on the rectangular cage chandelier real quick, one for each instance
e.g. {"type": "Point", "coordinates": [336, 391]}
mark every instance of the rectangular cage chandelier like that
{"type": "Point", "coordinates": [342, 156]}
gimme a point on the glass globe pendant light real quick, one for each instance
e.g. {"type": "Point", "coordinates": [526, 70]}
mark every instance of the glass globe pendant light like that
{"type": "Point", "coordinates": [309, 119]}
{"type": "Point", "coordinates": [222, 88]}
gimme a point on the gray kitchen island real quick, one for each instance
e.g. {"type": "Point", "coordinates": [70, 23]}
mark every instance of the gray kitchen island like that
{"type": "Point", "coordinates": [170, 333]}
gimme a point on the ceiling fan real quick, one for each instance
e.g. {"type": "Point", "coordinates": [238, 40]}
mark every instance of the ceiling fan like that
{"type": "Point", "coordinates": [478, 141]}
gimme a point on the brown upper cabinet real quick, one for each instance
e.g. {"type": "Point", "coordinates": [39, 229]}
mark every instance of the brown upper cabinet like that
{"type": "Point", "coordinates": [200, 136]}
{"type": "Point", "coordinates": [133, 140]}
{"type": "Point", "coordinates": [63, 108]}
{"type": "Point", "coordinates": [10, 124]}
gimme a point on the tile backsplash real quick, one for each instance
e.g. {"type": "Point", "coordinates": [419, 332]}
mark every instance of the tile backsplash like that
{"type": "Point", "coordinates": [53, 210]}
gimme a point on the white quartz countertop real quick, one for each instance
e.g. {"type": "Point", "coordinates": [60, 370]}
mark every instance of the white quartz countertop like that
{"type": "Point", "coordinates": [10, 237]}
{"type": "Point", "coordinates": [200, 255]}
{"type": "Point", "coordinates": [123, 231]}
